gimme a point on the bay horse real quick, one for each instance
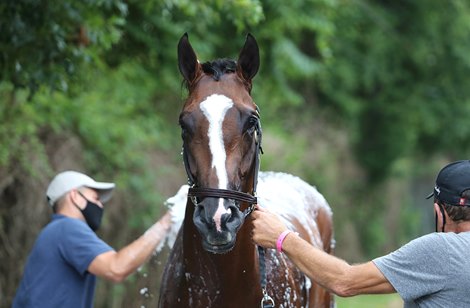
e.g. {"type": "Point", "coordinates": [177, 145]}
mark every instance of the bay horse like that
{"type": "Point", "coordinates": [213, 261]}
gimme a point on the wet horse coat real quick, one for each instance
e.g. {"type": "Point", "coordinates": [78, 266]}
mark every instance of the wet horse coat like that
{"type": "Point", "coordinates": [213, 262]}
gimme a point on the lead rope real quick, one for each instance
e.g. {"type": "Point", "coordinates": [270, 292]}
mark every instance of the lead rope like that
{"type": "Point", "coordinates": [266, 301]}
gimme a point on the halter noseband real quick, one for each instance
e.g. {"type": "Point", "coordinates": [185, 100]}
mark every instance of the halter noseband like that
{"type": "Point", "coordinates": [202, 192]}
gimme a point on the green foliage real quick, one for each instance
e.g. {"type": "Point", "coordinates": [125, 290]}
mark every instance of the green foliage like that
{"type": "Point", "coordinates": [154, 27]}
{"type": "Point", "coordinates": [399, 77]}
{"type": "Point", "coordinates": [376, 301]}
{"type": "Point", "coordinates": [397, 84]}
{"type": "Point", "coordinates": [295, 39]}
{"type": "Point", "coordinates": [393, 76]}
{"type": "Point", "coordinates": [43, 43]}
{"type": "Point", "coordinates": [20, 129]}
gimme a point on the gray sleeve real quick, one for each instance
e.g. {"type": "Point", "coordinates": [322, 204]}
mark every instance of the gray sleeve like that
{"type": "Point", "coordinates": [416, 269]}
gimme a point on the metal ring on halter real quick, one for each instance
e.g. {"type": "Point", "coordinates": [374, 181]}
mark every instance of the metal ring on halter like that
{"type": "Point", "coordinates": [249, 210]}
{"type": "Point", "coordinates": [266, 300]}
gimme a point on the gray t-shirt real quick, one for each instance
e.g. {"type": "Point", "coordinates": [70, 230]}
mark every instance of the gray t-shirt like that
{"type": "Point", "coordinates": [431, 271]}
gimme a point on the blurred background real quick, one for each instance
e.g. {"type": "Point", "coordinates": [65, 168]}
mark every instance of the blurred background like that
{"type": "Point", "coordinates": [366, 100]}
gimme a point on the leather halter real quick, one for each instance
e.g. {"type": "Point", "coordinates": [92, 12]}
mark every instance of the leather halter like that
{"type": "Point", "coordinates": [195, 192]}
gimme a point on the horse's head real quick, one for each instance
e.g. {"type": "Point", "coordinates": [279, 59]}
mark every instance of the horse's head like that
{"type": "Point", "coordinates": [221, 139]}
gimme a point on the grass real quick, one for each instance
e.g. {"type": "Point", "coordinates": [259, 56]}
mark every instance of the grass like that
{"type": "Point", "coordinates": [372, 301]}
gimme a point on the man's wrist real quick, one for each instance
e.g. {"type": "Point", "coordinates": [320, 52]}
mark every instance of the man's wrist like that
{"type": "Point", "coordinates": [156, 231]}
{"type": "Point", "coordinates": [281, 239]}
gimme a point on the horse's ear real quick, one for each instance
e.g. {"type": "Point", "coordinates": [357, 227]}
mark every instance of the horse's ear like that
{"type": "Point", "coordinates": [248, 60]}
{"type": "Point", "coordinates": [187, 59]}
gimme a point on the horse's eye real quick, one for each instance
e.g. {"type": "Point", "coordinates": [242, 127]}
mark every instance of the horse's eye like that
{"type": "Point", "coordinates": [184, 130]}
{"type": "Point", "coordinates": [185, 127]}
{"type": "Point", "coordinates": [252, 124]}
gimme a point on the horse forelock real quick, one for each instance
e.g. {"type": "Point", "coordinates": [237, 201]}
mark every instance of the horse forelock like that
{"type": "Point", "coordinates": [219, 67]}
{"type": "Point", "coordinates": [214, 69]}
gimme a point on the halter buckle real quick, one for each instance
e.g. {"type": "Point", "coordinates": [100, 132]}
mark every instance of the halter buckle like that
{"type": "Point", "coordinates": [267, 300]}
{"type": "Point", "coordinates": [249, 210]}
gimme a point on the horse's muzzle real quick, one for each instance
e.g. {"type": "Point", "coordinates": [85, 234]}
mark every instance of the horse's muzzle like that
{"type": "Point", "coordinates": [220, 236]}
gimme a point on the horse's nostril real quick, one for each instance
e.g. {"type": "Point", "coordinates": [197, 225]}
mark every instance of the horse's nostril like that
{"type": "Point", "coordinates": [235, 219]}
{"type": "Point", "coordinates": [199, 210]}
{"type": "Point", "coordinates": [199, 214]}
{"type": "Point", "coordinates": [233, 214]}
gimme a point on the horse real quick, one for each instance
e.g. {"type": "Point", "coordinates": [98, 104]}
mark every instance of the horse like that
{"type": "Point", "coordinates": [213, 261]}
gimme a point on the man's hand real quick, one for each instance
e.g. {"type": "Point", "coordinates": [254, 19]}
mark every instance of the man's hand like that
{"type": "Point", "coordinates": [266, 227]}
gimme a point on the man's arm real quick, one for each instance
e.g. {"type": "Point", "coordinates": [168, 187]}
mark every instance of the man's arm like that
{"type": "Point", "coordinates": [333, 273]}
{"type": "Point", "coordinates": [329, 271]}
{"type": "Point", "coordinates": [116, 266]}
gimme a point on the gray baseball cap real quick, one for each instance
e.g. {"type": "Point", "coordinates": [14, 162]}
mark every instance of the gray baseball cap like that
{"type": "Point", "coordinates": [68, 180]}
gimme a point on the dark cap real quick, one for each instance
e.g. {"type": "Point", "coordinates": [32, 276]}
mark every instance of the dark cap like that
{"type": "Point", "coordinates": [451, 181]}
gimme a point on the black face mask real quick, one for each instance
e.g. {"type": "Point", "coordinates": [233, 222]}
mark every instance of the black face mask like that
{"type": "Point", "coordinates": [93, 214]}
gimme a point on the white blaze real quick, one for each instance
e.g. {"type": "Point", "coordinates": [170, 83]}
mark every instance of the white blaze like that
{"type": "Point", "coordinates": [214, 108]}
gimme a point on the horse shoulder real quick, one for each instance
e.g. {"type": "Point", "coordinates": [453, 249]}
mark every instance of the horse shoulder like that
{"type": "Point", "coordinates": [173, 281]}
{"type": "Point", "coordinates": [300, 205]}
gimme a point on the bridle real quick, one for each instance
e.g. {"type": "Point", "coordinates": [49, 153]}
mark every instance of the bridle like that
{"type": "Point", "coordinates": [196, 192]}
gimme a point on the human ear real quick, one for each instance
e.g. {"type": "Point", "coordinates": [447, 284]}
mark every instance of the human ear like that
{"type": "Point", "coordinates": [438, 219]}
{"type": "Point", "coordinates": [76, 199]}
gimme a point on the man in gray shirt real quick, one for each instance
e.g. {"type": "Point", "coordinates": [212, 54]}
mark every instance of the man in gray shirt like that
{"type": "Point", "coordinates": [430, 271]}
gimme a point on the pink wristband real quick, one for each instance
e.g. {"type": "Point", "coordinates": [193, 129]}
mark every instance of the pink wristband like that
{"type": "Point", "coordinates": [280, 239]}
